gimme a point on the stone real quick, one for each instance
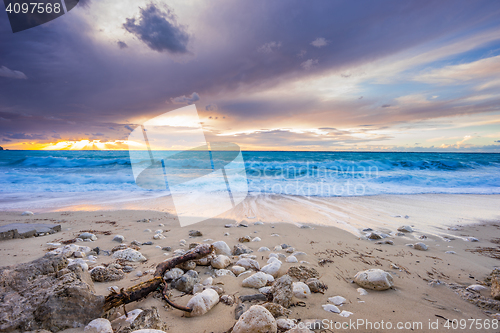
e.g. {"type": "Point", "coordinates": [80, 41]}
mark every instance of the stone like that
{"type": "Point", "coordinates": [129, 255]}
{"type": "Point", "coordinates": [186, 282]}
{"type": "Point", "coordinates": [158, 236]}
{"type": "Point", "coordinates": [476, 287]}
{"type": "Point", "coordinates": [266, 291]}
{"type": "Point", "coordinates": [221, 261]}
{"type": "Point", "coordinates": [274, 259]}
{"type": "Point", "coordinates": [221, 247]}
{"type": "Point", "coordinates": [27, 213]}
{"type": "Point", "coordinates": [256, 239]}
{"type": "Point", "coordinates": [263, 249]}
{"type": "Point", "coordinates": [300, 290]}
{"type": "Point", "coordinates": [106, 274]}
{"type": "Point", "coordinates": [373, 236]}
{"type": "Point", "coordinates": [99, 325]}
{"type": "Point", "coordinates": [208, 281]}
{"type": "Point", "coordinates": [282, 291]}
{"type": "Point", "coordinates": [47, 293]}
{"type": "Point", "coordinates": [227, 299]}
{"type": "Point", "coordinates": [257, 280]}
{"type": "Point", "coordinates": [362, 292]}
{"type": "Point", "coordinates": [277, 248]}
{"type": "Point", "coordinates": [173, 274]}
{"type": "Point", "coordinates": [147, 243]}
{"type": "Point", "coordinates": [248, 264]}
{"type": "Point", "coordinates": [224, 272]}
{"type": "Point", "coordinates": [187, 265]}
{"type": "Point", "coordinates": [316, 286]}
{"type": "Point", "coordinates": [205, 261]}
{"type": "Point", "coordinates": [302, 273]}
{"type": "Point", "coordinates": [272, 268]}
{"type": "Point", "coordinates": [241, 249]}
{"type": "Point", "coordinates": [290, 250]}
{"type": "Point", "coordinates": [291, 259]}
{"type": "Point", "coordinates": [118, 238]}
{"type": "Point", "coordinates": [337, 300]}
{"type": "Point", "coordinates": [237, 270]}
{"type": "Point", "coordinates": [420, 246]}
{"type": "Point", "coordinates": [70, 249]}
{"type": "Point", "coordinates": [257, 319]}
{"type": "Point", "coordinates": [331, 308]}
{"type": "Point", "coordinates": [140, 321]}
{"type": "Point", "coordinates": [88, 235]}
{"type": "Point", "coordinates": [166, 248]}
{"type": "Point", "coordinates": [405, 228]}
{"type": "Point", "coordinates": [24, 230]}
{"type": "Point", "coordinates": [276, 309]}
{"type": "Point", "coordinates": [375, 279]}
{"type": "Point", "coordinates": [195, 233]}
{"type": "Point", "coordinates": [202, 302]}
{"type": "Point", "coordinates": [285, 324]}
{"type": "Point", "coordinates": [345, 313]}
{"type": "Point", "coordinates": [245, 239]}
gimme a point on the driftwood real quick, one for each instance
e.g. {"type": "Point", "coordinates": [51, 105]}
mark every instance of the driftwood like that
{"type": "Point", "coordinates": [143, 289]}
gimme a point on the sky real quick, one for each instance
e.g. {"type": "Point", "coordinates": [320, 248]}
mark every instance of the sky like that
{"type": "Point", "coordinates": [266, 75]}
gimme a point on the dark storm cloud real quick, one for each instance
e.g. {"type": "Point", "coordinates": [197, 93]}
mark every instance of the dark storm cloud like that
{"type": "Point", "coordinates": [159, 30]}
{"type": "Point", "coordinates": [87, 85]}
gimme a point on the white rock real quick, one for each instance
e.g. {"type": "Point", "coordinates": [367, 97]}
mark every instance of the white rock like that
{"type": "Point", "coordinates": [221, 261]}
{"type": "Point", "coordinates": [471, 239]}
{"type": "Point", "coordinates": [129, 255]}
{"type": "Point", "coordinates": [362, 292]}
{"type": "Point", "coordinates": [80, 262]}
{"type": "Point", "coordinates": [248, 263]}
{"type": "Point", "coordinates": [256, 239]}
{"type": "Point", "coordinates": [291, 259]}
{"type": "Point", "coordinates": [299, 253]}
{"type": "Point", "coordinates": [405, 228]}
{"type": "Point", "coordinates": [208, 281]}
{"type": "Point", "coordinates": [278, 248]}
{"type": "Point", "coordinates": [182, 242]}
{"type": "Point", "coordinates": [27, 213]}
{"type": "Point", "coordinates": [450, 252]}
{"type": "Point", "coordinates": [198, 288]}
{"type": "Point", "coordinates": [158, 236]}
{"type": "Point", "coordinates": [224, 272]}
{"type": "Point", "coordinates": [420, 246]}
{"type": "Point", "coordinates": [345, 313]}
{"type": "Point", "coordinates": [263, 249]}
{"type": "Point", "coordinates": [375, 279]}
{"type": "Point", "coordinates": [201, 303]}
{"type": "Point", "coordinates": [118, 238]}
{"type": "Point", "coordinates": [159, 231]}
{"type": "Point", "coordinates": [226, 234]}
{"type": "Point", "coordinates": [70, 249]}
{"type": "Point", "coordinates": [99, 325]}
{"type": "Point", "coordinates": [337, 300]}
{"type": "Point", "coordinates": [54, 244]}
{"type": "Point", "coordinates": [273, 259]}
{"type": "Point", "coordinates": [257, 280]}
{"type": "Point", "coordinates": [476, 287]}
{"type": "Point", "coordinates": [300, 290]}
{"type": "Point", "coordinates": [265, 290]}
{"type": "Point", "coordinates": [272, 255]}
{"type": "Point", "coordinates": [221, 247]}
{"type": "Point", "coordinates": [257, 319]}
{"type": "Point", "coordinates": [88, 235]}
{"type": "Point", "coordinates": [139, 273]}
{"type": "Point", "coordinates": [331, 308]}
{"type": "Point", "coordinates": [285, 324]}
{"type": "Point", "coordinates": [237, 270]}
{"type": "Point", "coordinates": [272, 268]}
{"type": "Point", "coordinates": [173, 274]}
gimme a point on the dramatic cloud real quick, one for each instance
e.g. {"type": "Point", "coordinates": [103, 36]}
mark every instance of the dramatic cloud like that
{"type": "Point", "coordinates": [159, 30]}
{"type": "Point", "coordinates": [5, 72]}
{"type": "Point", "coordinates": [186, 99]}
{"type": "Point", "coordinates": [319, 42]}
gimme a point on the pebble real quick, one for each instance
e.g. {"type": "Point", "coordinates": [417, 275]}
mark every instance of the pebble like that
{"type": "Point", "coordinates": [227, 299]}
{"type": "Point", "coordinates": [362, 292]}
{"type": "Point", "coordinates": [223, 272]}
{"type": "Point", "coordinates": [316, 286]}
{"type": "Point", "coordinates": [105, 274]}
{"type": "Point", "coordinates": [237, 270]}
{"type": "Point", "coordinates": [226, 234]}
{"type": "Point", "coordinates": [159, 231]}
{"type": "Point", "coordinates": [375, 279]}
{"type": "Point", "coordinates": [248, 263]}
{"type": "Point", "coordinates": [450, 252]}
{"type": "Point", "coordinates": [299, 253]}
{"type": "Point", "coordinates": [195, 233]}
{"type": "Point", "coordinates": [254, 320]}
{"type": "Point", "coordinates": [99, 325]}
{"type": "Point", "coordinates": [265, 290]}
{"type": "Point", "coordinates": [129, 255]}
{"type": "Point", "coordinates": [285, 324]}
{"type": "Point", "coordinates": [278, 248]}
{"type": "Point", "coordinates": [373, 236]}
{"type": "Point", "coordinates": [148, 243]}
{"type": "Point", "coordinates": [245, 239]}
{"type": "Point", "coordinates": [202, 303]}
{"type": "Point", "coordinates": [158, 236]}
{"type": "Point", "coordinates": [471, 239]}
{"type": "Point", "coordinates": [256, 239]}
{"type": "Point", "coordinates": [290, 250]}
{"type": "Point", "coordinates": [147, 230]}
{"type": "Point", "coordinates": [88, 235]}
{"type": "Point", "coordinates": [300, 290]}
{"type": "Point", "coordinates": [221, 247]}
{"type": "Point", "coordinates": [282, 291]}
{"type": "Point", "coordinates": [187, 265]}
{"type": "Point", "coordinates": [145, 220]}
{"type": "Point", "coordinates": [161, 225]}
{"type": "Point", "coordinates": [228, 226]}
{"type": "Point", "coordinates": [476, 287]}
{"type": "Point", "coordinates": [420, 246]}
{"type": "Point", "coordinates": [221, 261]}
{"type": "Point", "coordinates": [186, 282]}
{"type": "Point", "coordinates": [114, 289]}
{"type": "Point", "coordinates": [405, 228]}
{"type": "Point", "coordinates": [127, 269]}
{"type": "Point", "coordinates": [258, 223]}
{"type": "Point", "coordinates": [118, 238]}
{"type": "Point", "coordinates": [263, 249]}
{"type": "Point", "coordinates": [27, 213]}
{"type": "Point", "coordinates": [337, 300]}
{"type": "Point", "coordinates": [257, 280]}
{"type": "Point", "coordinates": [241, 249]}
{"type": "Point", "coordinates": [167, 248]}
{"type": "Point", "coordinates": [54, 244]}
{"type": "Point", "coordinates": [139, 273]}
{"type": "Point", "coordinates": [208, 281]}
{"type": "Point", "coordinates": [182, 242]}
{"type": "Point", "coordinates": [345, 313]}
{"type": "Point", "coordinates": [331, 308]}
{"type": "Point", "coordinates": [291, 259]}
{"type": "Point", "coordinates": [272, 268]}
{"type": "Point", "coordinates": [173, 274]}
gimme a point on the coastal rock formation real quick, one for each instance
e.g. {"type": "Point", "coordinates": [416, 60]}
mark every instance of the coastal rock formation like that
{"type": "Point", "coordinates": [375, 279]}
{"type": "Point", "coordinates": [256, 319]}
{"type": "Point", "coordinates": [47, 293]}
{"type": "Point", "coordinates": [495, 284]}
{"type": "Point", "coordinates": [282, 291]}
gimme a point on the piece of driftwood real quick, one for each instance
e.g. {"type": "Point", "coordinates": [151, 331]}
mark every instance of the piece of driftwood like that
{"type": "Point", "coordinates": [143, 289]}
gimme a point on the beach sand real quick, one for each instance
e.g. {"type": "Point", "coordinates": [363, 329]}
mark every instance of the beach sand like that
{"type": "Point", "coordinates": [445, 221]}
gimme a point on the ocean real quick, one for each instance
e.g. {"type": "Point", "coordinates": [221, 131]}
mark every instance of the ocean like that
{"type": "Point", "coordinates": [70, 175]}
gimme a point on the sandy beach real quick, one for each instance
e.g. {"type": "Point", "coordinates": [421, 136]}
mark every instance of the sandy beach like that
{"type": "Point", "coordinates": [421, 293]}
